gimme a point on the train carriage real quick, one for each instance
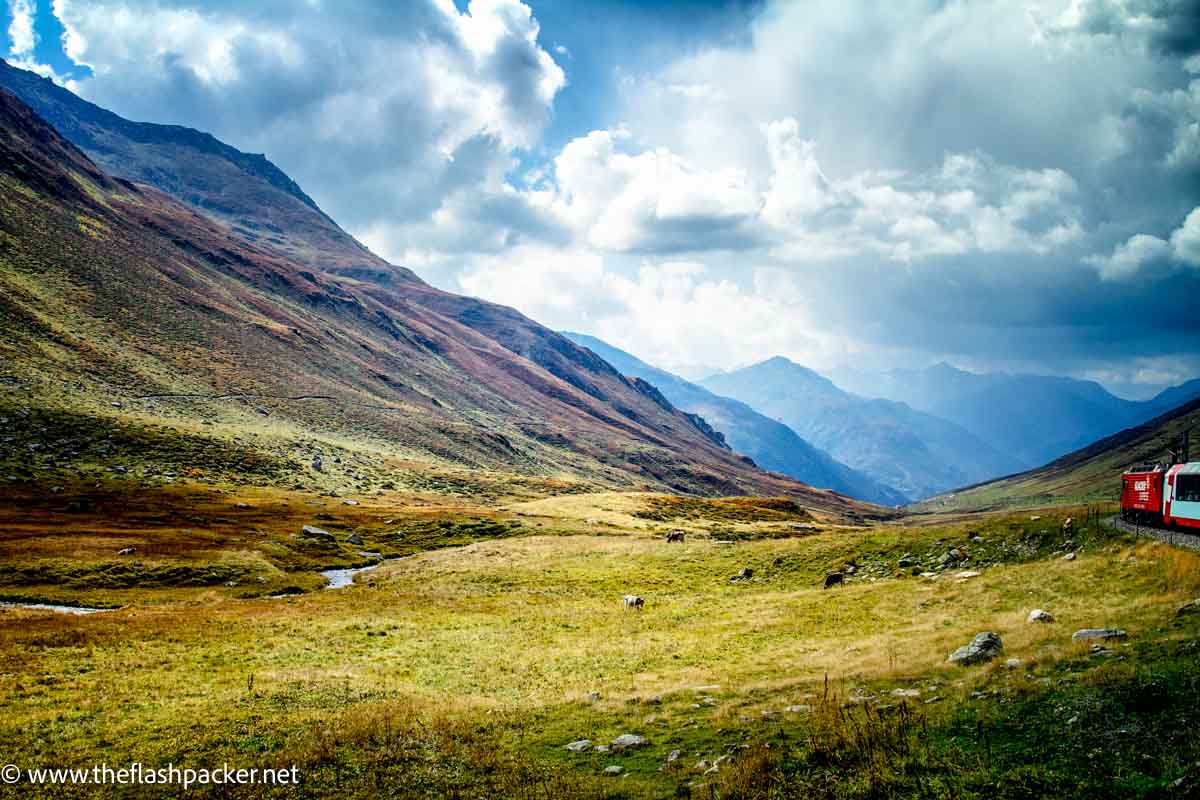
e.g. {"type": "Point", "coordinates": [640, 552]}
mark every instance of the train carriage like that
{"type": "Point", "coordinates": [1181, 496]}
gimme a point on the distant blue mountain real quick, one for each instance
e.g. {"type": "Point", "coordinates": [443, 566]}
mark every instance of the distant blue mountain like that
{"type": "Point", "coordinates": [1034, 418]}
{"type": "Point", "coordinates": [772, 444]}
{"type": "Point", "coordinates": [917, 453]}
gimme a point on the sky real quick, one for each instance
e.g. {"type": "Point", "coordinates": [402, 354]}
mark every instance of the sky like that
{"type": "Point", "coordinates": [999, 185]}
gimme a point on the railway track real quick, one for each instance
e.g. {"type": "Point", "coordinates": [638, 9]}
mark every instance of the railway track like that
{"type": "Point", "coordinates": [1179, 538]}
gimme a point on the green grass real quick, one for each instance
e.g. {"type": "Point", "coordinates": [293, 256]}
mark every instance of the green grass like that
{"type": "Point", "coordinates": [464, 670]}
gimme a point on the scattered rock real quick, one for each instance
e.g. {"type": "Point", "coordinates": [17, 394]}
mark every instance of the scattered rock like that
{"type": "Point", "coordinates": [675, 537]}
{"type": "Point", "coordinates": [1013, 663]}
{"type": "Point", "coordinates": [613, 770]}
{"type": "Point", "coordinates": [593, 697]}
{"type": "Point", "coordinates": [580, 746]}
{"type": "Point", "coordinates": [263, 410]}
{"type": "Point", "coordinates": [951, 556]}
{"type": "Point", "coordinates": [800, 709]}
{"type": "Point", "coordinates": [744, 574]}
{"type": "Point", "coordinates": [627, 740]}
{"type": "Point", "coordinates": [354, 539]}
{"type": "Point", "coordinates": [349, 502]}
{"type": "Point", "coordinates": [1038, 615]}
{"type": "Point", "coordinates": [1103, 634]}
{"type": "Point", "coordinates": [984, 647]}
{"type": "Point", "coordinates": [126, 551]}
{"type": "Point", "coordinates": [242, 506]}
{"type": "Point", "coordinates": [906, 692]}
{"type": "Point", "coordinates": [601, 748]}
{"type": "Point", "coordinates": [906, 561]}
{"type": "Point", "coordinates": [317, 464]}
{"type": "Point", "coordinates": [968, 573]}
{"type": "Point", "coordinates": [1069, 557]}
{"type": "Point", "coordinates": [674, 756]}
{"type": "Point", "coordinates": [312, 532]}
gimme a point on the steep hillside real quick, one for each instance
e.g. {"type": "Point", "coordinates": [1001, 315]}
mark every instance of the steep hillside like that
{"type": "Point", "coordinates": [915, 453]}
{"type": "Point", "coordinates": [771, 444]}
{"type": "Point", "coordinates": [1090, 473]}
{"type": "Point", "coordinates": [1033, 418]}
{"type": "Point", "coordinates": [247, 195]}
{"type": "Point", "coordinates": [114, 292]}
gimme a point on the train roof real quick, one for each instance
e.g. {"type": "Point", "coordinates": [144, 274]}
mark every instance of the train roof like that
{"type": "Point", "coordinates": [1190, 468]}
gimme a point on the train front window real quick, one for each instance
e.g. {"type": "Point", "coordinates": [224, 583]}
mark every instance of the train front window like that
{"type": "Point", "coordinates": [1187, 488]}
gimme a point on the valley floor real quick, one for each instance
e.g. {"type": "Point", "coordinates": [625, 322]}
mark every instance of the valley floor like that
{"type": "Point", "coordinates": [465, 669]}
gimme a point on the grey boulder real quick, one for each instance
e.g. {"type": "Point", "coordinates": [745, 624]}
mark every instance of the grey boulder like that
{"type": "Point", "coordinates": [1103, 634]}
{"type": "Point", "coordinates": [984, 647]}
{"type": "Point", "coordinates": [628, 740]}
{"type": "Point", "coordinates": [313, 532]}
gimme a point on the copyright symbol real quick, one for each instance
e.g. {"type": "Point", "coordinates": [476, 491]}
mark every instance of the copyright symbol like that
{"type": "Point", "coordinates": [10, 773]}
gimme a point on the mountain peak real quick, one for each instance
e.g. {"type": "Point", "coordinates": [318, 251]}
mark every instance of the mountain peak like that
{"type": "Point", "coordinates": [245, 193]}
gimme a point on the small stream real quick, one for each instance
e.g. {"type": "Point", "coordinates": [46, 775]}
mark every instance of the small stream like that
{"type": "Point", "coordinates": [338, 579]}
{"type": "Point", "coordinates": [341, 578]}
{"type": "Point", "coordinates": [74, 610]}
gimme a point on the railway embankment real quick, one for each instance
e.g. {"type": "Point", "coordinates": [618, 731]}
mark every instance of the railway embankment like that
{"type": "Point", "coordinates": [1168, 535]}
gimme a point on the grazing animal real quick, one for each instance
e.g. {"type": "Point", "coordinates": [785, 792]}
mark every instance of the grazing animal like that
{"type": "Point", "coordinates": [834, 579]}
{"type": "Point", "coordinates": [675, 536]}
{"type": "Point", "coordinates": [634, 602]}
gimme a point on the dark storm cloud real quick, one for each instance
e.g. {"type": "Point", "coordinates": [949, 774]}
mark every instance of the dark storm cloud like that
{"type": "Point", "coordinates": [983, 181]}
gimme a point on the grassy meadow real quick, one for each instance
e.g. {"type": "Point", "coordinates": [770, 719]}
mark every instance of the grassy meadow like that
{"type": "Point", "coordinates": [464, 668]}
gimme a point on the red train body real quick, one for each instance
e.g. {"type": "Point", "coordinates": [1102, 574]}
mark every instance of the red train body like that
{"type": "Point", "coordinates": [1162, 495]}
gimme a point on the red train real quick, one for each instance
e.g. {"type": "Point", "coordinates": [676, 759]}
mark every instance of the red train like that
{"type": "Point", "coordinates": [1162, 495]}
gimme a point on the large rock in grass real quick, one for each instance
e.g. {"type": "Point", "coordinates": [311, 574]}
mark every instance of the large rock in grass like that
{"type": "Point", "coordinates": [313, 532]}
{"type": "Point", "coordinates": [984, 647]}
{"type": "Point", "coordinates": [354, 539]}
{"type": "Point", "coordinates": [1040, 615]}
{"type": "Point", "coordinates": [1188, 608]}
{"type": "Point", "coordinates": [1103, 634]}
{"type": "Point", "coordinates": [627, 741]}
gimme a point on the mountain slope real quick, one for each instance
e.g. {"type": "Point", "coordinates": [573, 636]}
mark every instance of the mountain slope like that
{"type": "Point", "coordinates": [113, 290]}
{"type": "Point", "coordinates": [771, 444]}
{"type": "Point", "coordinates": [916, 453]}
{"type": "Point", "coordinates": [244, 193]}
{"type": "Point", "coordinates": [1035, 418]}
{"type": "Point", "coordinates": [1090, 473]}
